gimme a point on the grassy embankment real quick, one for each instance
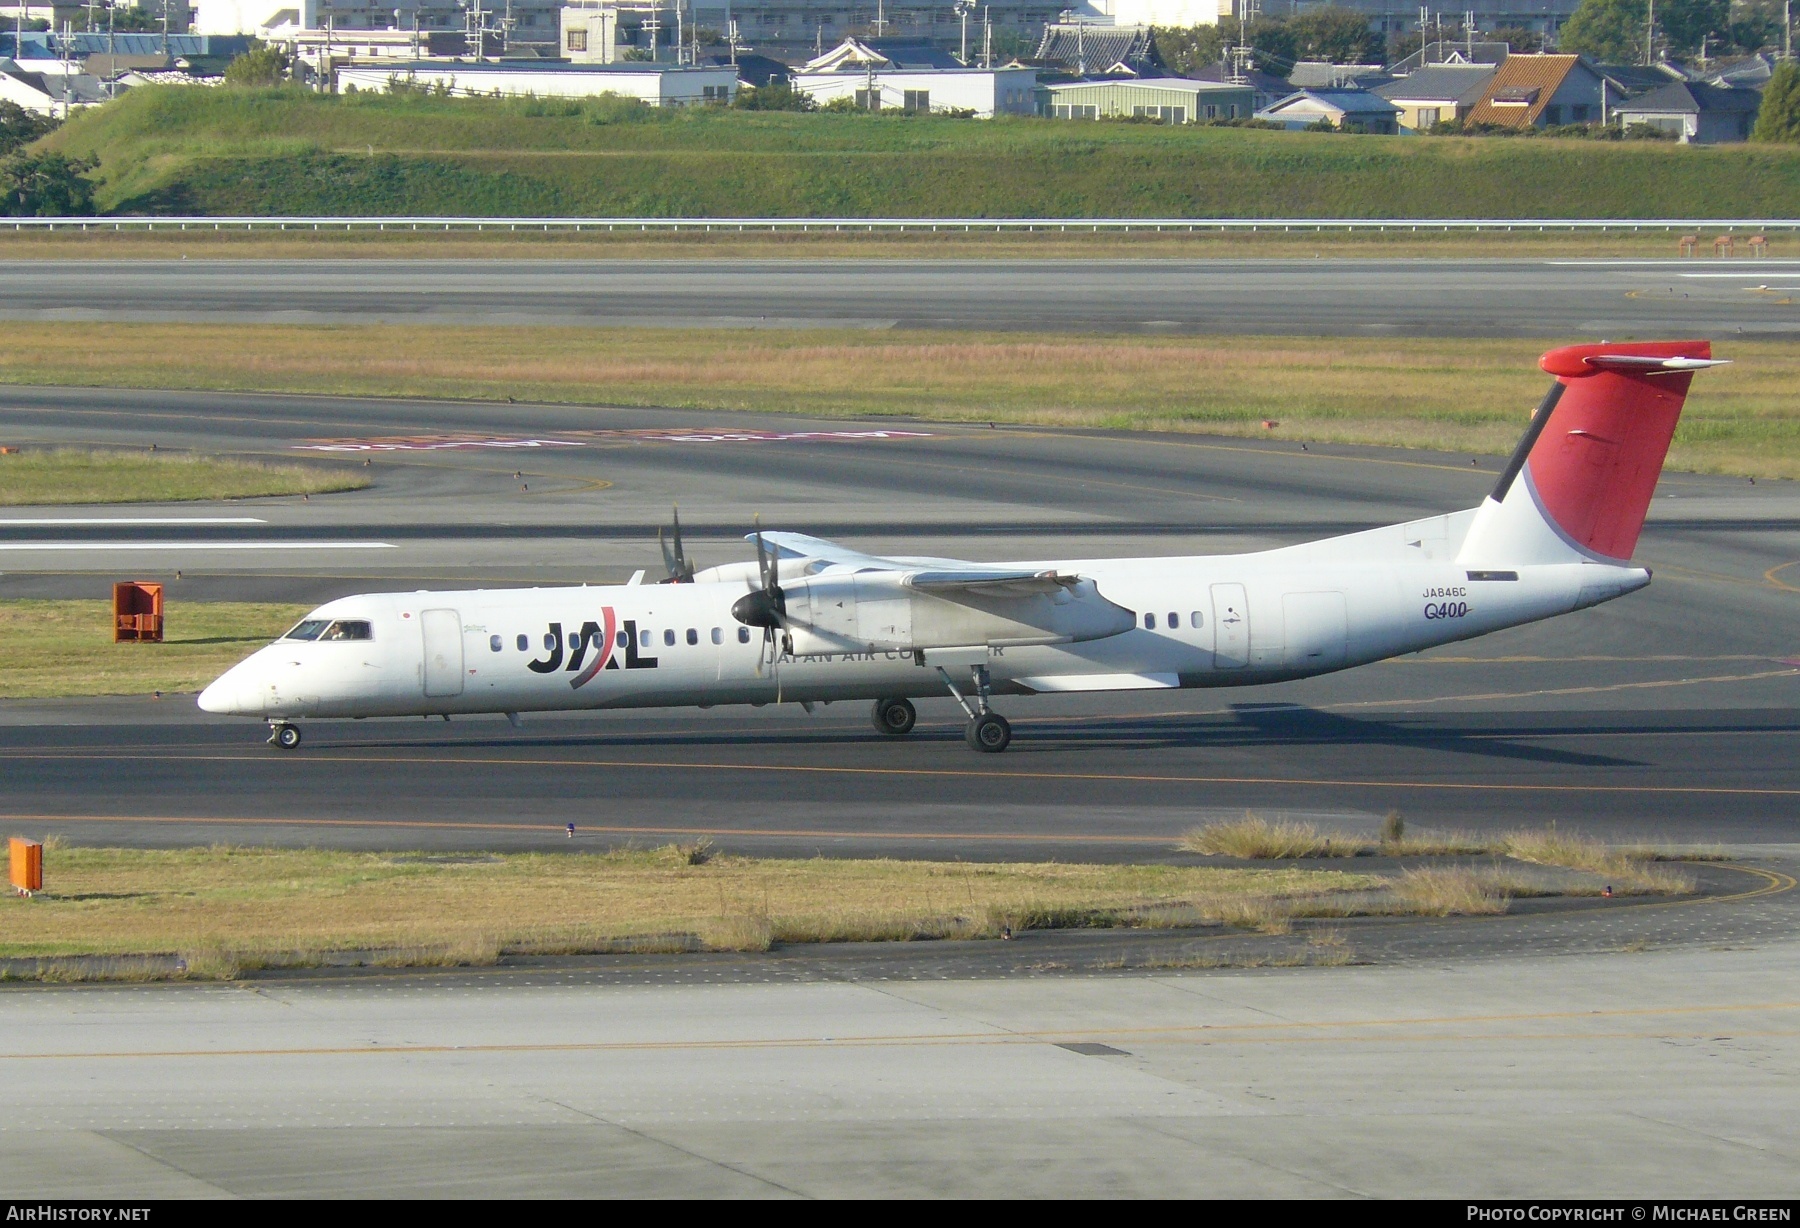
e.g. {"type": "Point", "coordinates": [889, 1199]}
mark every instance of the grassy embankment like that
{"type": "Point", "coordinates": [225, 910]}
{"type": "Point", "coordinates": [1072, 242]}
{"type": "Point", "coordinates": [55, 649]}
{"type": "Point", "coordinates": [175, 150]}
{"type": "Point", "coordinates": [40, 477]}
{"type": "Point", "coordinates": [1451, 394]}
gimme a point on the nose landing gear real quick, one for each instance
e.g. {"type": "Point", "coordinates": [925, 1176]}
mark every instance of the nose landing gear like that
{"type": "Point", "coordinates": [284, 735]}
{"type": "Point", "coordinates": [988, 731]}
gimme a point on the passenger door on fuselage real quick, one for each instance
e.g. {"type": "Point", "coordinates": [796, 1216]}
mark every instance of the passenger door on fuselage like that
{"type": "Point", "coordinates": [1231, 626]}
{"type": "Point", "coordinates": [443, 652]}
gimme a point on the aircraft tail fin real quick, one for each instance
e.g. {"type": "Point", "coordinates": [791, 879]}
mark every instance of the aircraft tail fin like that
{"type": "Point", "coordinates": [1579, 484]}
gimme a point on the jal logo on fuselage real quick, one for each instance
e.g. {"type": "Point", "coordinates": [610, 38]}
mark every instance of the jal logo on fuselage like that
{"type": "Point", "coordinates": [602, 637]}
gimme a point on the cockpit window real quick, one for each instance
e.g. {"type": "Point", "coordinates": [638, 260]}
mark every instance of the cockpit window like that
{"type": "Point", "coordinates": [308, 630]}
{"type": "Point", "coordinates": [349, 629]}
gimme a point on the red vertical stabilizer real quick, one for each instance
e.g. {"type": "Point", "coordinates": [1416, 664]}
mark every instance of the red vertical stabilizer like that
{"type": "Point", "coordinates": [1594, 463]}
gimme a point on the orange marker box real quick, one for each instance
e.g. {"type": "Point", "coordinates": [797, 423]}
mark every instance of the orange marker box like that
{"type": "Point", "coordinates": [27, 865]}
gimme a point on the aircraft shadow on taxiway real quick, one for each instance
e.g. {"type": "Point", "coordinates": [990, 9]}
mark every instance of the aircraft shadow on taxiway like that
{"type": "Point", "coordinates": [1247, 726]}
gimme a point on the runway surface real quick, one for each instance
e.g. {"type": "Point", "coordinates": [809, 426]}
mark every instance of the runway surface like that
{"type": "Point", "coordinates": [1485, 298]}
{"type": "Point", "coordinates": [1668, 716]}
{"type": "Point", "coordinates": [1621, 1075]}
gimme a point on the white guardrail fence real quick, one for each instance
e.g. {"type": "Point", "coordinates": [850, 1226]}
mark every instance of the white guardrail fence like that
{"type": "Point", "coordinates": [899, 225]}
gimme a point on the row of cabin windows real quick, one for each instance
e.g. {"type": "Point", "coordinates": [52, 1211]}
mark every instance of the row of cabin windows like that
{"type": "Point", "coordinates": [1174, 623]}
{"type": "Point", "coordinates": [622, 639]}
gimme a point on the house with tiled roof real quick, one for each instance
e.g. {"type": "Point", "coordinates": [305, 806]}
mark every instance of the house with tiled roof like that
{"type": "Point", "coordinates": [1440, 93]}
{"type": "Point", "coordinates": [1542, 91]}
{"type": "Point", "coordinates": [1696, 114]}
{"type": "Point", "coordinates": [1347, 110]}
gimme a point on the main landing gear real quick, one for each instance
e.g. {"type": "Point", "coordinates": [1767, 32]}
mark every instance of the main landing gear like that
{"type": "Point", "coordinates": [284, 735]}
{"type": "Point", "coordinates": [988, 731]}
{"type": "Point", "coordinates": [894, 717]}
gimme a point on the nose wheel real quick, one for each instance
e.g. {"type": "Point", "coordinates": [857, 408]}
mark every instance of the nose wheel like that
{"type": "Point", "coordinates": [284, 735]}
{"type": "Point", "coordinates": [988, 731]}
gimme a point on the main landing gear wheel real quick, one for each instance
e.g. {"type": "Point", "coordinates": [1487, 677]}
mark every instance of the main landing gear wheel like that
{"type": "Point", "coordinates": [285, 736]}
{"type": "Point", "coordinates": [894, 717]}
{"type": "Point", "coordinates": [989, 733]}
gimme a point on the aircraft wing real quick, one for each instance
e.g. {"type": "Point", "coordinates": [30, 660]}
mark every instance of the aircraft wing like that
{"type": "Point", "coordinates": [943, 577]}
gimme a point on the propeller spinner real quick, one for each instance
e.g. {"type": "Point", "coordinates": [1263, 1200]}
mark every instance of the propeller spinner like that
{"type": "Point", "coordinates": [764, 607]}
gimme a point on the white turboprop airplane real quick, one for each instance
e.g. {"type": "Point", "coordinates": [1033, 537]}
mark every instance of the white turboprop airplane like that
{"type": "Point", "coordinates": [810, 621]}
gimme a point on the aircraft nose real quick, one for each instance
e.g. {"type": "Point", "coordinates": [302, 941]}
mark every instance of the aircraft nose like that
{"type": "Point", "coordinates": [226, 694]}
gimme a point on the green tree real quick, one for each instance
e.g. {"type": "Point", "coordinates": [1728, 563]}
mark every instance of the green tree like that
{"type": "Point", "coordinates": [1516, 38]}
{"type": "Point", "coordinates": [1275, 45]}
{"type": "Point", "coordinates": [1755, 26]}
{"type": "Point", "coordinates": [259, 66]}
{"type": "Point", "coordinates": [1779, 120]}
{"type": "Point", "coordinates": [1606, 31]}
{"type": "Point", "coordinates": [1340, 35]}
{"type": "Point", "coordinates": [775, 96]}
{"type": "Point", "coordinates": [46, 185]}
{"type": "Point", "coordinates": [1687, 25]}
{"type": "Point", "coordinates": [20, 127]}
{"type": "Point", "coordinates": [1188, 50]}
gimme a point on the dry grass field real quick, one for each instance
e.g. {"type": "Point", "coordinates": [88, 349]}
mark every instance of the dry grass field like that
{"type": "Point", "coordinates": [41, 477]}
{"type": "Point", "coordinates": [54, 649]}
{"type": "Point", "coordinates": [1455, 395]}
{"type": "Point", "coordinates": [1628, 871]}
{"type": "Point", "coordinates": [236, 907]}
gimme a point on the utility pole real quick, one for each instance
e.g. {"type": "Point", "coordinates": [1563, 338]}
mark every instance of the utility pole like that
{"type": "Point", "coordinates": [963, 8]}
{"type": "Point", "coordinates": [1469, 34]}
{"type": "Point", "coordinates": [1650, 35]}
{"type": "Point", "coordinates": [1787, 29]}
{"type": "Point", "coordinates": [987, 36]}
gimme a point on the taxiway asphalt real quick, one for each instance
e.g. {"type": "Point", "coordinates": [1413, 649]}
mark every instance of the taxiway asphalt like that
{"type": "Point", "coordinates": [1634, 1074]}
{"type": "Point", "coordinates": [1469, 298]}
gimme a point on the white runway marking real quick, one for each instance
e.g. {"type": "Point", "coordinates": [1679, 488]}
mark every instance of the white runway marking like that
{"type": "Point", "coordinates": [196, 546]}
{"type": "Point", "coordinates": [71, 520]}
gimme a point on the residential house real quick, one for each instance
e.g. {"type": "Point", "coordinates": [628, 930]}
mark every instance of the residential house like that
{"type": "Point", "coordinates": [1543, 91]}
{"type": "Point", "coordinates": [1440, 93]}
{"type": "Point", "coordinates": [1347, 110]}
{"type": "Point", "coordinates": [1696, 114]}
{"type": "Point", "coordinates": [1450, 51]}
{"type": "Point", "coordinates": [1266, 89]}
{"type": "Point", "coordinates": [1320, 75]}
{"type": "Point", "coordinates": [658, 85]}
{"type": "Point", "coordinates": [914, 77]}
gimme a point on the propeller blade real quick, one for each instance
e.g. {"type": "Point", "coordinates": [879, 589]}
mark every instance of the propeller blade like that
{"type": "Point", "coordinates": [684, 566]}
{"type": "Point", "coordinates": [762, 555]}
{"type": "Point", "coordinates": [677, 565]}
